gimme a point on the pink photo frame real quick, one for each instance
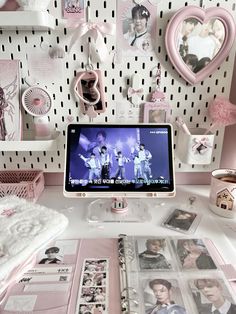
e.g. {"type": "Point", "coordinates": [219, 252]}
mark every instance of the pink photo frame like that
{"type": "Point", "coordinates": [202, 16]}
{"type": "Point", "coordinates": [156, 112]}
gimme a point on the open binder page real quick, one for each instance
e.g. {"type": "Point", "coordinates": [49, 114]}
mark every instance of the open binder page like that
{"type": "Point", "coordinates": [53, 285]}
{"type": "Point", "coordinates": [170, 275]}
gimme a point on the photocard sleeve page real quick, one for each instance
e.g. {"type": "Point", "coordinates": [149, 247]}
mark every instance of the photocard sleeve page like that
{"type": "Point", "coordinates": [147, 282]}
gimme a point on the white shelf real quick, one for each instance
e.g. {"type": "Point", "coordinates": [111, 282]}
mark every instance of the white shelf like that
{"type": "Point", "coordinates": [31, 144]}
{"type": "Point", "coordinates": [26, 20]}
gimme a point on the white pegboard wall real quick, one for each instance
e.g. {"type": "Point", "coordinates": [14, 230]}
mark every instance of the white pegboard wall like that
{"type": "Point", "coordinates": [191, 102]}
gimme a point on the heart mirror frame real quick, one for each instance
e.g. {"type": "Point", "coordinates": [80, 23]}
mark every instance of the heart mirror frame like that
{"type": "Point", "coordinates": [203, 16]}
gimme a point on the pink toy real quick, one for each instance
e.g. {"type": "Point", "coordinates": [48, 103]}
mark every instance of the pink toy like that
{"type": "Point", "coordinates": [157, 96]}
{"type": "Point", "coordinates": [222, 112]}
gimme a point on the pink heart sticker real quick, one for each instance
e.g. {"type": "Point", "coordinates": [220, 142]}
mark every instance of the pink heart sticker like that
{"type": "Point", "coordinates": [188, 47]}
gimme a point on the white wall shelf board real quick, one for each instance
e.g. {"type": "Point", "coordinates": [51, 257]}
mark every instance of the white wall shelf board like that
{"type": "Point", "coordinates": [29, 144]}
{"type": "Point", "coordinates": [27, 20]}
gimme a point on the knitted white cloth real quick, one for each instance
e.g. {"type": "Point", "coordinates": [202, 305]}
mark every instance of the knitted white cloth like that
{"type": "Point", "coordinates": [25, 228]}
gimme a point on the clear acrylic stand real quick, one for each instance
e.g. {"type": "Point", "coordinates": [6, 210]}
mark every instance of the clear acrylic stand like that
{"type": "Point", "coordinates": [108, 210]}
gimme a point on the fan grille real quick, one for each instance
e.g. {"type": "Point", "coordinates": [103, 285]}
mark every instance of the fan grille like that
{"type": "Point", "coordinates": [36, 101]}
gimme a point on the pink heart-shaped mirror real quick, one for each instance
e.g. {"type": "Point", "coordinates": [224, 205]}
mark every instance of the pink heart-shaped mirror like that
{"type": "Point", "coordinates": [198, 40]}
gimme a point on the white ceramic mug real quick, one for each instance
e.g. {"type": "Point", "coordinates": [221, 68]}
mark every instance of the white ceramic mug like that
{"type": "Point", "coordinates": [223, 192]}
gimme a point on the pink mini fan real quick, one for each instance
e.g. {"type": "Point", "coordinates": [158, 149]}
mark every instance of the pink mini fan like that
{"type": "Point", "coordinates": [37, 102]}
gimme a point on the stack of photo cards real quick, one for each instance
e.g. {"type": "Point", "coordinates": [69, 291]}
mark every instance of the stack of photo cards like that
{"type": "Point", "coordinates": [182, 221]}
{"type": "Point", "coordinates": [93, 292]}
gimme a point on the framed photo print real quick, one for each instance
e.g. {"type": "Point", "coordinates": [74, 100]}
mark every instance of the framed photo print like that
{"type": "Point", "coordinates": [136, 28]}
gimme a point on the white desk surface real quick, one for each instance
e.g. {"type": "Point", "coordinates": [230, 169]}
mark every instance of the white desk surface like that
{"type": "Point", "coordinates": [222, 231]}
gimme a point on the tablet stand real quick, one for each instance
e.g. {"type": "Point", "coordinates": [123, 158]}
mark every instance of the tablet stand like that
{"type": "Point", "coordinates": [118, 210]}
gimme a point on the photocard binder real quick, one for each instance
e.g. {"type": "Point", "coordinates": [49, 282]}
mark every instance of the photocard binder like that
{"type": "Point", "coordinates": [60, 288]}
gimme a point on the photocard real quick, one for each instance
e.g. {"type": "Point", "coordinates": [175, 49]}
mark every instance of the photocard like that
{"type": "Point", "coordinates": [52, 255]}
{"type": "Point", "coordinates": [182, 221]}
{"type": "Point", "coordinates": [153, 253]}
{"type": "Point", "coordinates": [162, 296]}
{"type": "Point", "coordinates": [193, 254]}
{"type": "Point", "coordinates": [211, 295]}
{"type": "Point", "coordinates": [136, 28]}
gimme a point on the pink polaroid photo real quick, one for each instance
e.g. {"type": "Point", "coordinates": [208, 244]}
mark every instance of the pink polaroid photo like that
{"type": "Point", "coordinates": [136, 28]}
{"type": "Point", "coordinates": [74, 9]}
{"type": "Point", "coordinates": [10, 114]}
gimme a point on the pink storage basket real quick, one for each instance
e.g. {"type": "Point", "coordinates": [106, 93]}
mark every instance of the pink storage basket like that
{"type": "Point", "coordinates": [27, 184]}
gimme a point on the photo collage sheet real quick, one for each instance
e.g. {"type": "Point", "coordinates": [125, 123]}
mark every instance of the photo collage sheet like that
{"type": "Point", "coordinates": [176, 275]}
{"type": "Point", "coordinates": [61, 283]}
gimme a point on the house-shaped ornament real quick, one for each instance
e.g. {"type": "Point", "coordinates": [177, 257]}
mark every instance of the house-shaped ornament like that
{"type": "Point", "coordinates": [225, 199]}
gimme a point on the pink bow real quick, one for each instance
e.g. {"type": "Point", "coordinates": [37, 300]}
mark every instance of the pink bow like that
{"type": "Point", "coordinates": [97, 31]}
{"type": "Point", "coordinates": [132, 91]}
{"type": "Point", "coordinates": [8, 212]}
{"type": "Point", "coordinates": [201, 146]}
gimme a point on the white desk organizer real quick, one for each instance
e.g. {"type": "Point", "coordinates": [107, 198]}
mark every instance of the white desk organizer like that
{"type": "Point", "coordinates": [195, 148]}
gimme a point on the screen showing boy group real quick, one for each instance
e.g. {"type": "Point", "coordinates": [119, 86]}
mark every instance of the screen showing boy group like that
{"type": "Point", "coordinates": [119, 158]}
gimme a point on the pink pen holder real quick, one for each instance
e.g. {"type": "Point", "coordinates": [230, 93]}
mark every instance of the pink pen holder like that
{"type": "Point", "coordinates": [195, 148]}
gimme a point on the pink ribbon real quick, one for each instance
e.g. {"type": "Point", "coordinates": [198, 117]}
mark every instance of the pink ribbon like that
{"type": "Point", "coordinates": [198, 142]}
{"type": "Point", "coordinates": [132, 92]}
{"type": "Point", "coordinates": [97, 32]}
{"type": "Point", "coordinates": [8, 212]}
